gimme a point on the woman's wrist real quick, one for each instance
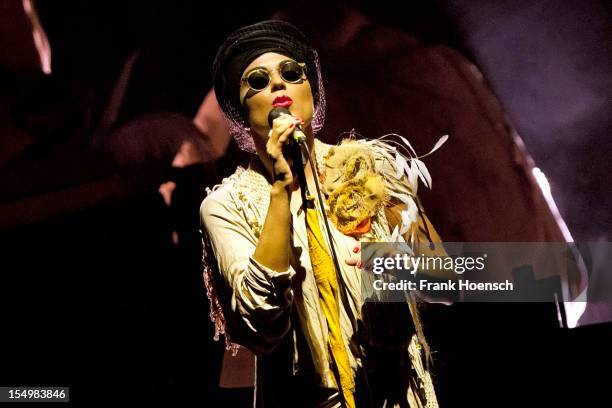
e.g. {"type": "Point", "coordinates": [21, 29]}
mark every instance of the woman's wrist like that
{"type": "Point", "coordinates": [279, 191]}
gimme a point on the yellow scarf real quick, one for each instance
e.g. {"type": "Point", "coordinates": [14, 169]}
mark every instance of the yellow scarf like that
{"type": "Point", "coordinates": [329, 292]}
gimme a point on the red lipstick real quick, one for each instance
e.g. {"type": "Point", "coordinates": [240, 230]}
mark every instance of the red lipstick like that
{"type": "Point", "coordinates": [282, 102]}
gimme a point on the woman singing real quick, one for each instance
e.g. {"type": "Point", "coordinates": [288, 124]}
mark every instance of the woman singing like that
{"type": "Point", "coordinates": [283, 275]}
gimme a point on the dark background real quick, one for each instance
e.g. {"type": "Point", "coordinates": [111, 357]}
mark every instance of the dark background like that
{"type": "Point", "coordinates": [100, 281]}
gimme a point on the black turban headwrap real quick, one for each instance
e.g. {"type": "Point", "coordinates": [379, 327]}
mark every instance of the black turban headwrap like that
{"type": "Point", "coordinates": [241, 48]}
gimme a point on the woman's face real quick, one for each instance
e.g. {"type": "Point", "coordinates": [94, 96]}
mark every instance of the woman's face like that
{"type": "Point", "coordinates": [295, 96]}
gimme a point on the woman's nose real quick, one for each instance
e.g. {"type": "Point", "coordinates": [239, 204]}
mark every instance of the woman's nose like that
{"type": "Point", "coordinates": [276, 81]}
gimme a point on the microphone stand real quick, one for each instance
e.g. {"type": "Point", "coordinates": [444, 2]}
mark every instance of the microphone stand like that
{"type": "Point", "coordinates": [298, 164]}
{"type": "Point", "coordinates": [295, 147]}
{"type": "Point", "coordinates": [325, 220]}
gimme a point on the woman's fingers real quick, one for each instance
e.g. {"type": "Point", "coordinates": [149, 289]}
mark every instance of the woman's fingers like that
{"type": "Point", "coordinates": [279, 126]}
{"type": "Point", "coordinates": [375, 250]}
{"type": "Point", "coordinates": [286, 133]}
{"type": "Point", "coordinates": [355, 261]}
{"type": "Point", "coordinates": [282, 128]}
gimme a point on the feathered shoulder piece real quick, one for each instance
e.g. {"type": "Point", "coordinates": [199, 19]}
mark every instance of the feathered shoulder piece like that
{"type": "Point", "coordinates": [360, 176]}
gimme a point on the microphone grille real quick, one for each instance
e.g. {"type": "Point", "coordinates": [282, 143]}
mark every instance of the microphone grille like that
{"type": "Point", "coordinates": [275, 113]}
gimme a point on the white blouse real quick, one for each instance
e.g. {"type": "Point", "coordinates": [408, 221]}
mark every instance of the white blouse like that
{"type": "Point", "coordinates": [260, 299]}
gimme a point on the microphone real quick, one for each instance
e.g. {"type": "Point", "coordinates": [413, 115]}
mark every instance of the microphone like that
{"type": "Point", "coordinates": [298, 135]}
{"type": "Point", "coordinates": [294, 146]}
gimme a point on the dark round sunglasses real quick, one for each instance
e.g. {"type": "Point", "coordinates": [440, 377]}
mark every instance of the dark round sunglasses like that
{"type": "Point", "coordinates": [290, 71]}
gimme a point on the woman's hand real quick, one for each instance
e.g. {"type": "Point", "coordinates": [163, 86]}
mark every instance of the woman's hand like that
{"type": "Point", "coordinates": [356, 260]}
{"type": "Point", "coordinates": [375, 250]}
{"type": "Point", "coordinates": [282, 128]}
